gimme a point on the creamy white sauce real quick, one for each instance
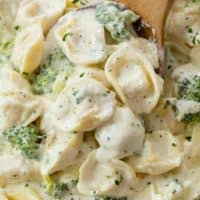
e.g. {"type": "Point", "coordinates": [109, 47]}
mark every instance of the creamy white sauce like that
{"type": "Point", "coordinates": [83, 113]}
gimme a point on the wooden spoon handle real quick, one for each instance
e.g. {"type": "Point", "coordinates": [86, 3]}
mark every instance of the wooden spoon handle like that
{"type": "Point", "coordinates": [154, 12]}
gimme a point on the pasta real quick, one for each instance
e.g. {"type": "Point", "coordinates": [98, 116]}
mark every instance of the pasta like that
{"type": "Point", "coordinates": [72, 36]}
{"type": "Point", "coordinates": [21, 169]}
{"type": "Point", "coordinates": [89, 105]}
{"type": "Point", "coordinates": [141, 91]}
{"type": "Point", "coordinates": [153, 160]}
{"type": "Point", "coordinates": [110, 177]}
{"type": "Point", "coordinates": [61, 152]}
{"type": "Point", "coordinates": [119, 139]}
{"type": "Point", "coordinates": [38, 11]}
{"type": "Point", "coordinates": [85, 113]}
{"type": "Point", "coordinates": [18, 108]}
{"type": "Point", "coordinates": [28, 49]}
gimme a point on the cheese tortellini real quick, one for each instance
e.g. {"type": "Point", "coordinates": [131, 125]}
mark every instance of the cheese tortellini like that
{"type": "Point", "coordinates": [186, 18]}
{"type": "Point", "coordinates": [114, 177]}
{"type": "Point", "coordinates": [120, 138]}
{"type": "Point", "coordinates": [161, 153]}
{"type": "Point", "coordinates": [62, 149]}
{"type": "Point", "coordinates": [24, 193]}
{"type": "Point", "coordinates": [11, 81]}
{"type": "Point", "coordinates": [28, 49]}
{"type": "Point", "coordinates": [14, 168]}
{"type": "Point", "coordinates": [82, 106]}
{"type": "Point", "coordinates": [18, 108]}
{"type": "Point", "coordinates": [43, 12]}
{"type": "Point", "coordinates": [74, 35]}
{"type": "Point", "coordinates": [133, 77]}
{"type": "Point", "coordinates": [91, 72]}
{"type": "Point", "coordinates": [87, 109]}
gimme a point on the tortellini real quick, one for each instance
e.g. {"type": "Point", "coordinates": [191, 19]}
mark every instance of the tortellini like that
{"type": "Point", "coordinates": [190, 181]}
{"type": "Point", "coordinates": [183, 25]}
{"type": "Point", "coordinates": [114, 177]}
{"type": "Point", "coordinates": [133, 77]}
{"type": "Point", "coordinates": [24, 193]}
{"type": "Point", "coordinates": [8, 8]}
{"type": "Point", "coordinates": [74, 35]}
{"type": "Point", "coordinates": [14, 168]}
{"type": "Point", "coordinates": [61, 152]}
{"type": "Point", "coordinates": [44, 12]}
{"type": "Point", "coordinates": [161, 153]}
{"type": "Point", "coordinates": [91, 72]}
{"type": "Point", "coordinates": [12, 81]}
{"type": "Point", "coordinates": [106, 120]}
{"type": "Point", "coordinates": [83, 105]}
{"type": "Point", "coordinates": [163, 117]}
{"type": "Point", "coordinates": [148, 49]}
{"type": "Point", "coordinates": [18, 108]}
{"type": "Point", "coordinates": [119, 138]}
{"type": "Point", "coordinates": [28, 49]}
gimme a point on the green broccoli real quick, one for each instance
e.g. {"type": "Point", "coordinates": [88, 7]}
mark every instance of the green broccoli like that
{"type": "Point", "coordinates": [60, 189]}
{"type": "Point", "coordinates": [25, 138]}
{"type": "Point", "coordinates": [56, 64]}
{"type": "Point", "coordinates": [187, 119]}
{"type": "Point", "coordinates": [189, 89]}
{"type": "Point", "coordinates": [191, 118]}
{"type": "Point", "coordinates": [116, 20]}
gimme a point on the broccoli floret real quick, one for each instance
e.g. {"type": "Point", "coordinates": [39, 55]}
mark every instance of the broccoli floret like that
{"type": "Point", "coordinates": [59, 189]}
{"type": "Point", "coordinates": [56, 64]}
{"type": "Point", "coordinates": [110, 198]}
{"type": "Point", "coordinates": [25, 138]}
{"type": "Point", "coordinates": [187, 119]}
{"type": "Point", "coordinates": [189, 89]}
{"type": "Point", "coordinates": [116, 20]}
{"type": "Point", "coordinates": [191, 118]}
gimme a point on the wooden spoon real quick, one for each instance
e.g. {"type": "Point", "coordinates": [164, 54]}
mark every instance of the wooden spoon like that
{"type": "Point", "coordinates": [154, 13]}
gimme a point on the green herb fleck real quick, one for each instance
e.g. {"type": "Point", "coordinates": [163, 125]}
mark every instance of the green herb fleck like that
{"type": "Point", "coordinates": [69, 34]}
